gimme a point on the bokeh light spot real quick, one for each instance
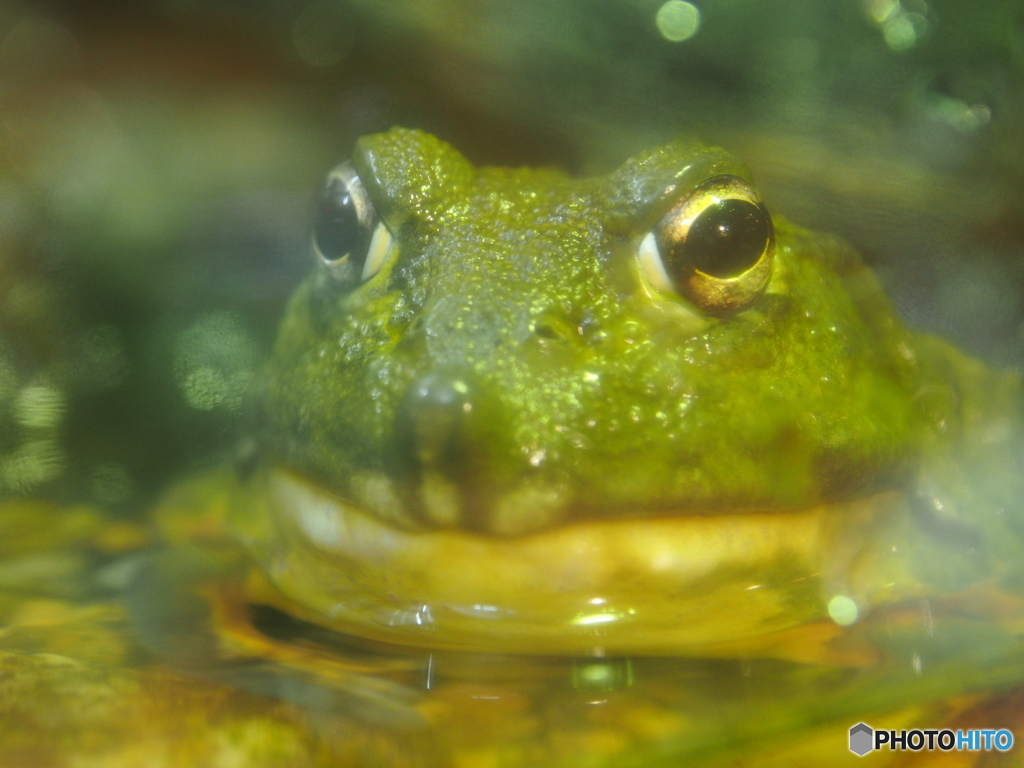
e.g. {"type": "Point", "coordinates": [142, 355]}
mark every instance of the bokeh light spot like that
{"type": "Point", "coordinates": [903, 23]}
{"type": "Point", "coordinates": [843, 610]}
{"type": "Point", "coordinates": [678, 20]}
{"type": "Point", "coordinates": [881, 10]}
{"type": "Point", "coordinates": [32, 464]}
{"type": "Point", "coordinates": [960, 116]}
{"type": "Point", "coordinates": [215, 359]}
{"type": "Point", "coordinates": [39, 407]}
{"type": "Point", "coordinates": [899, 34]}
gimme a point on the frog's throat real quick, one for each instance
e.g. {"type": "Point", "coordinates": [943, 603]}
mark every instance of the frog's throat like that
{"type": "Point", "coordinates": [681, 584]}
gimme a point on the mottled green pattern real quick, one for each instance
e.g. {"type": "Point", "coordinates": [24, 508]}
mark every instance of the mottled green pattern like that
{"type": "Point", "coordinates": [525, 284]}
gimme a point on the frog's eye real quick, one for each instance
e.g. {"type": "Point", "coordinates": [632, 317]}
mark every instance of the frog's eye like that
{"type": "Point", "coordinates": [349, 238]}
{"type": "Point", "coordinates": [715, 247]}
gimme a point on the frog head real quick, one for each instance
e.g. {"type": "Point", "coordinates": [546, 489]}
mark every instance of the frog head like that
{"type": "Point", "coordinates": [514, 411]}
{"type": "Point", "coordinates": [506, 351]}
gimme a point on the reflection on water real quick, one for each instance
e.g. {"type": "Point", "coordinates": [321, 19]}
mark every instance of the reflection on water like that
{"type": "Point", "coordinates": [205, 680]}
{"type": "Point", "coordinates": [156, 166]}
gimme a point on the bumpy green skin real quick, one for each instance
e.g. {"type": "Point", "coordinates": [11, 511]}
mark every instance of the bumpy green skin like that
{"type": "Point", "coordinates": [585, 383]}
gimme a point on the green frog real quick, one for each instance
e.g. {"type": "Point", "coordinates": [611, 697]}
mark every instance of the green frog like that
{"type": "Point", "coordinates": [513, 412]}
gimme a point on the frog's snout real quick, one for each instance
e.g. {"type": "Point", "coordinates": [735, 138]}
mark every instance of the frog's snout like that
{"type": "Point", "coordinates": [453, 466]}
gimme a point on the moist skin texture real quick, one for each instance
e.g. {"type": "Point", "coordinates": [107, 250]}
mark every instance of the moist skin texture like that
{"type": "Point", "coordinates": [512, 438]}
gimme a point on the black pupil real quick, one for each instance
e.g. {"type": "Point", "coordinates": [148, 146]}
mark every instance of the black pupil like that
{"type": "Point", "coordinates": [336, 228]}
{"type": "Point", "coordinates": [726, 239]}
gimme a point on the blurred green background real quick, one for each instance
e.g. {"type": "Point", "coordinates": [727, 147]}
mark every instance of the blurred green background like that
{"type": "Point", "coordinates": [158, 160]}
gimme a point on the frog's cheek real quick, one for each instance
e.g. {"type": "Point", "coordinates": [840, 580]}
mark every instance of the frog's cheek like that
{"type": "Point", "coordinates": [680, 584]}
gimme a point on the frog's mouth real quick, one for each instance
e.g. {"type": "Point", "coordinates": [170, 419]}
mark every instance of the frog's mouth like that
{"type": "Point", "coordinates": [646, 585]}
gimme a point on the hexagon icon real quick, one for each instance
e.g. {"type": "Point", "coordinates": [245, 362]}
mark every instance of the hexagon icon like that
{"type": "Point", "coordinates": [861, 739]}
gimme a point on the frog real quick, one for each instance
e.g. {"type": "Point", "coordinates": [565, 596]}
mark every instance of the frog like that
{"type": "Point", "coordinates": [638, 416]}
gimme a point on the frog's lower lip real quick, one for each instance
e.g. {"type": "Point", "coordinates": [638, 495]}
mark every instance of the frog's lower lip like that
{"type": "Point", "coordinates": [649, 585]}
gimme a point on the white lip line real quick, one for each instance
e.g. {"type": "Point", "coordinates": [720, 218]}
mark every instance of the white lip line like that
{"type": "Point", "coordinates": [662, 585]}
{"type": "Point", "coordinates": [682, 549]}
{"type": "Point", "coordinates": [322, 515]}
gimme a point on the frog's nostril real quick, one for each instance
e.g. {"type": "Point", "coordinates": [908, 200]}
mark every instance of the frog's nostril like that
{"type": "Point", "coordinates": [434, 447]}
{"type": "Point", "coordinates": [430, 419]}
{"type": "Point", "coordinates": [550, 327]}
